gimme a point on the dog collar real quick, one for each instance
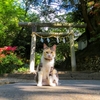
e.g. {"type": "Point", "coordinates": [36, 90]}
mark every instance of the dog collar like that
{"type": "Point", "coordinates": [47, 59]}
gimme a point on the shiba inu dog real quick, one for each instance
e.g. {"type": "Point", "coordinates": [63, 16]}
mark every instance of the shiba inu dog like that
{"type": "Point", "coordinates": [46, 73]}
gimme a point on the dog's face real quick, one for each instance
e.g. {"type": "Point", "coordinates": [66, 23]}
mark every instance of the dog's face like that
{"type": "Point", "coordinates": [49, 53]}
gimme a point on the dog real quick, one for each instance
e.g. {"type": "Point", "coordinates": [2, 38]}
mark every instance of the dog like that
{"type": "Point", "coordinates": [46, 73]}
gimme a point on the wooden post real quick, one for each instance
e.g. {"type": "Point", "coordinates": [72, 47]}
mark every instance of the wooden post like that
{"type": "Point", "coordinates": [32, 52]}
{"type": "Point", "coordinates": [72, 51]}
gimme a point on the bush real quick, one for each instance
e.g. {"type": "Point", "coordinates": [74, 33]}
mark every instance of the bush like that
{"type": "Point", "coordinates": [37, 58]}
{"type": "Point", "coordinates": [10, 63]}
{"type": "Point", "coordinates": [23, 70]}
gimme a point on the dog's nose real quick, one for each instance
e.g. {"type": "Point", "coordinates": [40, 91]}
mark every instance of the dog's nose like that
{"type": "Point", "coordinates": [49, 56]}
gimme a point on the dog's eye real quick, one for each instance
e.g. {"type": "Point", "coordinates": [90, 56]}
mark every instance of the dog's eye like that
{"type": "Point", "coordinates": [46, 51]}
{"type": "Point", "coordinates": [51, 52]}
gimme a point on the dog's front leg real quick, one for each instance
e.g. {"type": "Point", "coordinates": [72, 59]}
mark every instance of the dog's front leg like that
{"type": "Point", "coordinates": [40, 76]}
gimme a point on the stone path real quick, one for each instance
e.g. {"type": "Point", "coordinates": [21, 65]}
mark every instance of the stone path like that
{"type": "Point", "coordinates": [67, 90]}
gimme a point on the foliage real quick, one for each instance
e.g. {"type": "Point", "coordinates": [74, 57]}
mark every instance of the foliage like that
{"type": "Point", "coordinates": [37, 58]}
{"type": "Point", "coordinates": [63, 51]}
{"type": "Point", "coordinates": [22, 69]}
{"type": "Point", "coordinates": [12, 12]}
{"type": "Point", "coordinates": [9, 15]}
{"type": "Point", "coordinates": [10, 63]}
{"type": "Point", "coordinates": [6, 50]}
{"type": "Point", "coordinates": [63, 55]}
{"type": "Point", "coordinates": [9, 60]}
{"type": "Point", "coordinates": [95, 38]}
{"type": "Point", "coordinates": [89, 64]}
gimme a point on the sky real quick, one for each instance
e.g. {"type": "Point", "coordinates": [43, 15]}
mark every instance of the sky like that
{"type": "Point", "coordinates": [57, 5]}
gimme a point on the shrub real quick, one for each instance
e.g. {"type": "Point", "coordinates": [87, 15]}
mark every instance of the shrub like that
{"type": "Point", "coordinates": [23, 69]}
{"type": "Point", "coordinates": [9, 63]}
{"type": "Point", "coordinates": [37, 58]}
{"type": "Point", "coordinates": [8, 60]}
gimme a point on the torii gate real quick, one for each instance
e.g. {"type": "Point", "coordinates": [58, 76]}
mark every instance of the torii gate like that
{"type": "Point", "coordinates": [69, 26]}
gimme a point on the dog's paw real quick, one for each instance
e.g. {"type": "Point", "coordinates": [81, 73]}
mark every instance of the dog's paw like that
{"type": "Point", "coordinates": [52, 84]}
{"type": "Point", "coordinates": [39, 84]}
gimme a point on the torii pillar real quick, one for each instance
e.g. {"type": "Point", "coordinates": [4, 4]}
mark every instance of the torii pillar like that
{"type": "Point", "coordinates": [72, 51]}
{"type": "Point", "coordinates": [32, 52]}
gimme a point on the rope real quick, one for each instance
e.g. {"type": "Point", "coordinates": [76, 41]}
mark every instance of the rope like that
{"type": "Point", "coordinates": [42, 36]}
{"type": "Point", "coordinates": [48, 36]}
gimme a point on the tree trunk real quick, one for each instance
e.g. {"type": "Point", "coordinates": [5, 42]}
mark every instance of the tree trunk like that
{"type": "Point", "coordinates": [90, 28]}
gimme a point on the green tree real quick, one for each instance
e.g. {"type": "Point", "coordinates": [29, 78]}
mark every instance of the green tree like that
{"type": "Point", "coordinates": [9, 17]}
{"type": "Point", "coordinates": [12, 12]}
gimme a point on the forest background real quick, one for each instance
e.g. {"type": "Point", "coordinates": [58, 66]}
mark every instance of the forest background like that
{"type": "Point", "coordinates": [15, 41]}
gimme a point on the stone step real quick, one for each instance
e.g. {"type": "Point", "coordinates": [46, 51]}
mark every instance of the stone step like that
{"type": "Point", "coordinates": [80, 75]}
{"type": "Point", "coordinates": [63, 75]}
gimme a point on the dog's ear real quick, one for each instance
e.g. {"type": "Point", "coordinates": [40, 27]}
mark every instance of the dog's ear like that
{"type": "Point", "coordinates": [54, 47]}
{"type": "Point", "coordinates": [44, 46]}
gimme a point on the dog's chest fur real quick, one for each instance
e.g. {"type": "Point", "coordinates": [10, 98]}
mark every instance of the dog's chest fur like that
{"type": "Point", "coordinates": [46, 66]}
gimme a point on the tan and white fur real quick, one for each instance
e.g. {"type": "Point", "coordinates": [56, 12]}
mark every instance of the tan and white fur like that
{"type": "Point", "coordinates": [46, 74]}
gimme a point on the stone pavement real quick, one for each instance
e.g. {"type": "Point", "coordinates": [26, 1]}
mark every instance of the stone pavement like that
{"type": "Point", "coordinates": [67, 90]}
